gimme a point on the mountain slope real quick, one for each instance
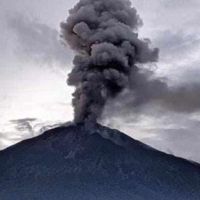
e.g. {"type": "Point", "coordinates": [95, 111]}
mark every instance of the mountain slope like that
{"type": "Point", "coordinates": [79, 162]}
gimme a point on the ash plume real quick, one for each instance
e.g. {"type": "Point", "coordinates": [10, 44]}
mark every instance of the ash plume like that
{"type": "Point", "coordinates": [145, 90]}
{"type": "Point", "coordinates": [103, 33]}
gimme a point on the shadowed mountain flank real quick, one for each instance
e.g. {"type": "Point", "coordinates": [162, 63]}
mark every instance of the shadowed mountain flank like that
{"type": "Point", "coordinates": [94, 162]}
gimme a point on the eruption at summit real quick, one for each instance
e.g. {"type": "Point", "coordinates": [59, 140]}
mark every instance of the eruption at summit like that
{"type": "Point", "coordinates": [87, 161]}
{"type": "Point", "coordinates": [103, 33]}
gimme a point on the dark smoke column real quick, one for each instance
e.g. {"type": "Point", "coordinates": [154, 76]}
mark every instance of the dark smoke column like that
{"type": "Point", "coordinates": [103, 34]}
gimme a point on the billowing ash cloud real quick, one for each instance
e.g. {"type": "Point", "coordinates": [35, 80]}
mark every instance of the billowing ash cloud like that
{"type": "Point", "coordinates": [104, 35]}
{"type": "Point", "coordinates": [145, 90]}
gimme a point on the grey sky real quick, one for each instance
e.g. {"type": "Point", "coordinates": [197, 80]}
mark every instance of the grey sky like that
{"type": "Point", "coordinates": [33, 71]}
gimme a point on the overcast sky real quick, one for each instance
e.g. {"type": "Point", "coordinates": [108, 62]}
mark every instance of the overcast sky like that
{"type": "Point", "coordinates": [34, 65]}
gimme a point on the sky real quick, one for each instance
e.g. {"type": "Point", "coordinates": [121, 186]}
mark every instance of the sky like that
{"type": "Point", "coordinates": [34, 64]}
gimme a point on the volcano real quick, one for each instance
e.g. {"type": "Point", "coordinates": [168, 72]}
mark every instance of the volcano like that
{"type": "Point", "coordinates": [93, 162]}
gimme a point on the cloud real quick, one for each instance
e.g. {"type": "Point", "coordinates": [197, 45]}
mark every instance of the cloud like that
{"type": "Point", "coordinates": [21, 129]}
{"type": "Point", "coordinates": [183, 142]}
{"type": "Point", "coordinates": [24, 125]}
{"type": "Point", "coordinates": [176, 44]}
{"type": "Point", "coordinates": [37, 42]}
{"type": "Point", "coordinates": [174, 133]}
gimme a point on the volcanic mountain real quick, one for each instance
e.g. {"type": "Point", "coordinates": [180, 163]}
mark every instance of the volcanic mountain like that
{"type": "Point", "coordinates": [92, 162]}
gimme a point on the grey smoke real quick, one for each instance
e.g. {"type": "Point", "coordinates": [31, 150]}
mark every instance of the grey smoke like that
{"type": "Point", "coordinates": [104, 35]}
{"type": "Point", "coordinates": [147, 92]}
{"type": "Point", "coordinates": [107, 65]}
{"type": "Point", "coordinates": [145, 89]}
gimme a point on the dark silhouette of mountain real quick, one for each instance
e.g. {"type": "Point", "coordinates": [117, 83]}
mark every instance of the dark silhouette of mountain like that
{"type": "Point", "coordinates": [85, 162]}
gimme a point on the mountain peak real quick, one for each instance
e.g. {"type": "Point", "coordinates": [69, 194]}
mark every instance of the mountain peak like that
{"type": "Point", "coordinates": [90, 161]}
